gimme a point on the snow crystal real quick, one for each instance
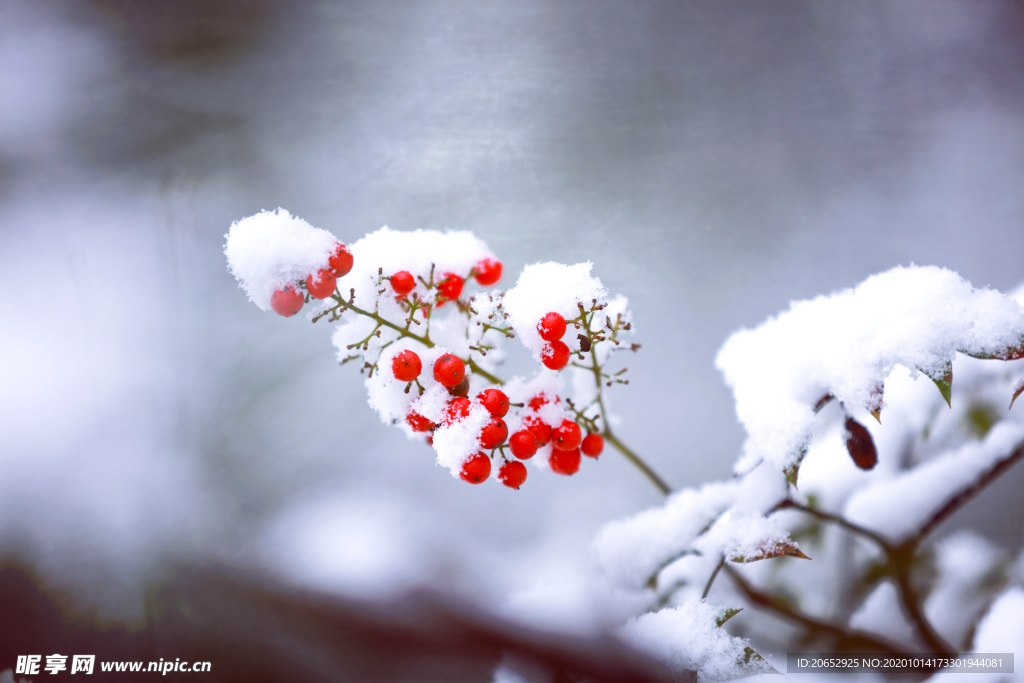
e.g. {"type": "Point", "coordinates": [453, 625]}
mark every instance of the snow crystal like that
{"type": "Point", "coordinates": [900, 506]}
{"type": "Point", "coordinates": [688, 638]}
{"type": "Point", "coordinates": [272, 249]}
{"type": "Point", "coordinates": [847, 343]}
{"type": "Point", "coordinates": [546, 287]}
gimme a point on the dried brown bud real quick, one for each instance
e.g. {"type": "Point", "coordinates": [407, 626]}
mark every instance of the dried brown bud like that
{"type": "Point", "coordinates": [584, 342]}
{"type": "Point", "coordinates": [860, 445]}
{"type": "Point", "coordinates": [460, 389]}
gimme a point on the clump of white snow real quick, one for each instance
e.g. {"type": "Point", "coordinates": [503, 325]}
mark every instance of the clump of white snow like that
{"type": "Point", "coordinates": [549, 287]}
{"type": "Point", "coordinates": [847, 343]}
{"type": "Point", "coordinates": [633, 550]}
{"type": "Point", "coordinates": [272, 249]}
{"type": "Point", "coordinates": [688, 638]}
{"type": "Point", "coordinates": [457, 441]}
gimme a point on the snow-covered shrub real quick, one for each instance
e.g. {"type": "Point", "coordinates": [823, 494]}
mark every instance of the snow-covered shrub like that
{"type": "Point", "coordinates": [859, 443]}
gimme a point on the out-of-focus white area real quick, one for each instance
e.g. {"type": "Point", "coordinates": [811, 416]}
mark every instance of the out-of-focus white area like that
{"type": "Point", "coordinates": [712, 161]}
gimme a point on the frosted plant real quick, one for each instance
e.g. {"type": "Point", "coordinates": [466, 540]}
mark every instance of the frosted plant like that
{"type": "Point", "coordinates": [859, 446]}
{"type": "Point", "coordinates": [817, 475]}
{"type": "Point", "coordinates": [430, 349]}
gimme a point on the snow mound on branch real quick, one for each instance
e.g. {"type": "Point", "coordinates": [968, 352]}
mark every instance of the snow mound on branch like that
{"type": "Point", "coordinates": [718, 518]}
{"type": "Point", "coordinates": [847, 343]}
{"type": "Point", "coordinates": [546, 287]}
{"type": "Point", "coordinates": [688, 638]}
{"type": "Point", "coordinates": [388, 251]}
{"type": "Point", "coordinates": [271, 249]}
{"type": "Point", "coordinates": [900, 506]}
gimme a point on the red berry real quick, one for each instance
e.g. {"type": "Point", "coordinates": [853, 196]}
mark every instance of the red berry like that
{"type": "Point", "coordinates": [565, 462]}
{"type": "Point", "coordinates": [450, 287]}
{"type": "Point", "coordinates": [494, 433]}
{"type": "Point", "coordinates": [495, 401]}
{"type": "Point", "coordinates": [512, 474]}
{"type": "Point", "coordinates": [537, 401]}
{"type": "Point", "coordinates": [402, 282]}
{"type": "Point", "coordinates": [406, 366]}
{"type": "Point", "coordinates": [555, 355]}
{"type": "Point", "coordinates": [551, 327]}
{"type": "Point", "coordinates": [418, 423]}
{"type": "Point", "coordinates": [340, 261]}
{"type": "Point", "coordinates": [476, 469]}
{"type": "Point", "coordinates": [592, 445]}
{"type": "Point", "coordinates": [488, 271]}
{"type": "Point", "coordinates": [323, 285]}
{"type": "Point", "coordinates": [286, 302]}
{"type": "Point", "coordinates": [566, 436]}
{"type": "Point", "coordinates": [449, 370]}
{"type": "Point", "coordinates": [523, 444]}
{"type": "Point", "coordinates": [456, 410]}
{"type": "Point", "coordinates": [540, 429]}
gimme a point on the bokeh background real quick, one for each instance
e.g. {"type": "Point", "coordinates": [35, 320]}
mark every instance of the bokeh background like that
{"type": "Point", "coordinates": [713, 160]}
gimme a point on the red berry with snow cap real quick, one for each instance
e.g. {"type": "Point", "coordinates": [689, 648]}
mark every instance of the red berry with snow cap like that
{"type": "Point", "coordinates": [539, 429]}
{"type": "Point", "coordinates": [321, 284]}
{"type": "Point", "coordinates": [488, 271]}
{"type": "Point", "coordinates": [402, 282]}
{"type": "Point", "coordinates": [512, 474]}
{"type": "Point", "coordinates": [592, 445]}
{"type": "Point", "coordinates": [456, 410]}
{"type": "Point", "coordinates": [418, 423]}
{"type": "Point", "coordinates": [406, 366]}
{"type": "Point", "coordinates": [566, 436]}
{"type": "Point", "coordinates": [494, 433]}
{"type": "Point", "coordinates": [523, 444]}
{"type": "Point", "coordinates": [449, 370]}
{"type": "Point", "coordinates": [450, 287]}
{"type": "Point", "coordinates": [555, 355]}
{"type": "Point", "coordinates": [341, 260]}
{"type": "Point", "coordinates": [476, 469]}
{"type": "Point", "coordinates": [565, 462]}
{"type": "Point", "coordinates": [286, 302]}
{"type": "Point", "coordinates": [495, 401]}
{"type": "Point", "coordinates": [551, 327]}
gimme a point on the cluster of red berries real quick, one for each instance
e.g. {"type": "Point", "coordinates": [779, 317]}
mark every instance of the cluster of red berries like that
{"type": "Point", "coordinates": [321, 284]}
{"type": "Point", "coordinates": [555, 354]}
{"type": "Point", "coordinates": [566, 439]}
{"type": "Point", "coordinates": [486, 272]}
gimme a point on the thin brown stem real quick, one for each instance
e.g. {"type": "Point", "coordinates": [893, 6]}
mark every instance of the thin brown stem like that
{"type": "Point", "coordinates": [855, 529]}
{"type": "Point", "coordinates": [848, 639]}
{"type": "Point", "coordinates": [954, 504]}
{"type": "Point", "coordinates": [635, 459]}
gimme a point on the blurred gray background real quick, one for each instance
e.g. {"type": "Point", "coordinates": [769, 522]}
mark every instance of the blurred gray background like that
{"type": "Point", "coordinates": [715, 160]}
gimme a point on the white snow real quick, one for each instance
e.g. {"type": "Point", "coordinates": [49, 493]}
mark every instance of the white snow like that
{"type": "Point", "coordinates": [632, 550]}
{"type": "Point", "coordinates": [880, 613]}
{"type": "Point", "coordinates": [272, 249]}
{"type": "Point", "coordinates": [688, 638]}
{"type": "Point", "coordinates": [967, 565]}
{"type": "Point", "coordinates": [550, 287]}
{"type": "Point", "coordinates": [847, 343]}
{"type": "Point", "coordinates": [899, 506]}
